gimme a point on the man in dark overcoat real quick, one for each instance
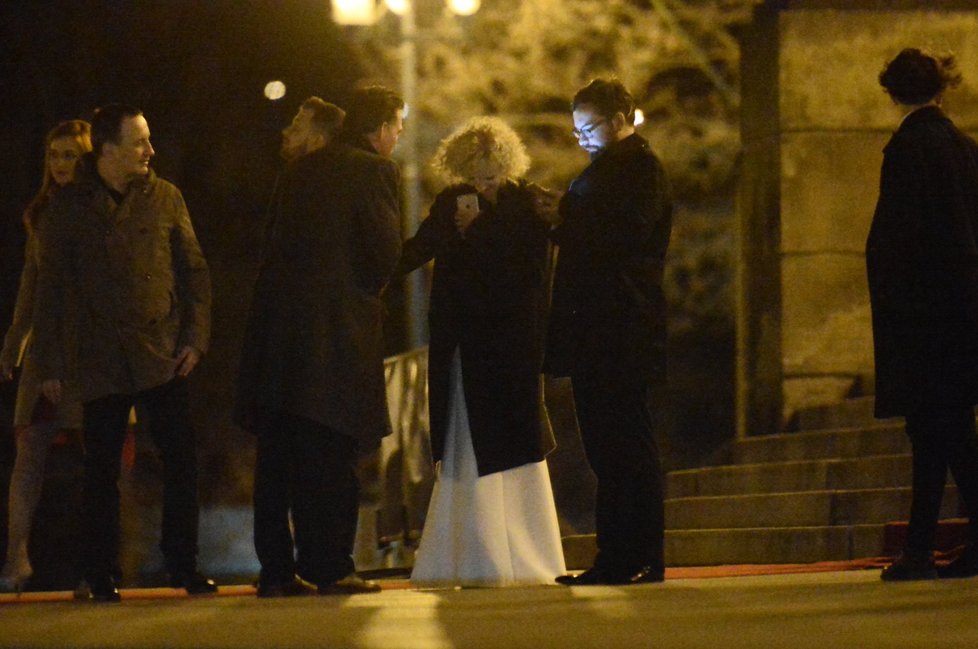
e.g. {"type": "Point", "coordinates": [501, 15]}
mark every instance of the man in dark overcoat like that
{"type": "Point", "coordinates": [312, 377]}
{"type": "Point", "coordinates": [922, 263]}
{"type": "Point", "coordinates": [608, 328]}
{"type": "Point", "coordinates": [120, 246]}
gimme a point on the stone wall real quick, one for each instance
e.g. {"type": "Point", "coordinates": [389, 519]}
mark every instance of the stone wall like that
{"type": "Point", "coordinates": [815, 121]}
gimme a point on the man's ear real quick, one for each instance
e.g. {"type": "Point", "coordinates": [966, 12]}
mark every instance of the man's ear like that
{"type": "Point", "coordinates": [619, 121]}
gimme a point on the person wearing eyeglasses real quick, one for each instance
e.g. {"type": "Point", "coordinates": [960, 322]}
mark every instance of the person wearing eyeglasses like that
{"type": "Point", "coordinates": [607, 327]}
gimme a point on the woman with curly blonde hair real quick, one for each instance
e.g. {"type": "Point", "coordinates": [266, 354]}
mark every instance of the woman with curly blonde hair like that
{"type": "Point", "coordinates": [491, 520]}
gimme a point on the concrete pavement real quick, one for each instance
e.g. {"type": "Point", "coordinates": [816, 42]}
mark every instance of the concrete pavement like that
{"type": "Point", "coordinates": [836, 610]}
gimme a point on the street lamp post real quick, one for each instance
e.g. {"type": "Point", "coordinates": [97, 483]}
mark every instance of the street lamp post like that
{"type": "Point", "coordinates": [367, 12]}
{"type": "Point", "coordinates": [414, 288]}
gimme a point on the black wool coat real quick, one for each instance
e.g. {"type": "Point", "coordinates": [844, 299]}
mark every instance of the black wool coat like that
{"type": "Point", "coordinates": [608, 317]}
{"type": "Point", "coordinates": [314, 340]}
{"type": "Point", "coordinates": [922, 265]}
{"type": "Point", "coordinates": [488, 300]}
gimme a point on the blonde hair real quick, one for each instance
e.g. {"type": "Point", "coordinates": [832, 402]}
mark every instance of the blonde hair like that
{"type": "Point", "coordinates": [81, 132]}
{"type": "Point", "coordinates": [481, 138]}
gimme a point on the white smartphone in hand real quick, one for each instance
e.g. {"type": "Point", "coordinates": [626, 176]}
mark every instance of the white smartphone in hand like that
{"type": "Point", "coordinates": [468, 204]}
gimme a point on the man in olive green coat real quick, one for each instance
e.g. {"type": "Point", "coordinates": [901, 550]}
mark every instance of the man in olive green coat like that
{"type": "Point", "coordinates": [120, 247]}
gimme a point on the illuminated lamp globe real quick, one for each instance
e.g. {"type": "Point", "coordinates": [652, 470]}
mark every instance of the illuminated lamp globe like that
{"type": "Point", "coordinates": [399, 7]}
{"type": "Point", "coordinates": [274, 90]}
{"type": "Point", "coordinates": [464, 7]}
{"type": "Point", "coordinates": [639, 117]}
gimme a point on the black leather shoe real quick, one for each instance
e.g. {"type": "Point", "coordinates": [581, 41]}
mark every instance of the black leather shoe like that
{"type": "Point", "coordinates": [103, 589]}
{"type": "Point", "coordinates": [593, 577]}
{"type": "Point", "coordinates": [349, 585]}
{"type": "Point", "coordinates": [648, 575]}
{"type": "Point", "coordinates": [908, 567]}
{"type": "Point", "coordinates": [965, 565]}
{"type": "Point", "coordinates": [297, 587]}
{"type": "Point", "coordinates": [193, 582]}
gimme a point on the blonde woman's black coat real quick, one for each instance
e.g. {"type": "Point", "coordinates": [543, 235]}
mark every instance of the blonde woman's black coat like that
{"type": "Point", "coordinates": [488, 300]}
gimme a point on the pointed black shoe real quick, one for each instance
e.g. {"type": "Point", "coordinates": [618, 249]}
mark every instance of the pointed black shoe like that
{"type": "Point", "coordinates": [352, 584]}
{"type": "Point", "coordinates": [193, 582]}
{"type": "Point", "coordinates": [963, 566]}
{"type": "Point", "coordinates": [592, 577]}
{"type": "Point", "coordinates": [908, 567]}
{"type": "Point", "coordinates": [103, 589]}
{"type": "Point", "coordinates": [297, 587]}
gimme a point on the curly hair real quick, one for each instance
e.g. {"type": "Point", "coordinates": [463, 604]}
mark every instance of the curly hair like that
{"type": "Point", "coordinates": [479, 139]}
{"type": "Point", "coordinates": [916, 77]}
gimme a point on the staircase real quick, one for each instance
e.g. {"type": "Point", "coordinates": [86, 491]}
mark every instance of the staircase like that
{"type": "Point", "coordinates": [823, 493]}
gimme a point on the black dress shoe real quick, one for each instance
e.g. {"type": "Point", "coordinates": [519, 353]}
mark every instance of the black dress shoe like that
{"type": "Point", "coordinates": [297, 587]}
{"type": "Point", "coordinates": [193, 582]}
{"type": "Point", "coordinates": [349, 585]}
{"type": "Point", "coordinates": [103, 589]}
{"type": "Point", "coordinates": [593, 577]}
{"type": "Point", "coordinates": [965, 565]}
{"type": "Point", "coordinates": [909, 567]}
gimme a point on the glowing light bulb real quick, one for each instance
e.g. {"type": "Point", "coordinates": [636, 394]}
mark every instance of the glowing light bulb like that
{"type": "Point", "coordinates": [399, 7]}
{"type": "Point", "coordinates": [464, 7]}
{"type": "Point", "coordinates": [355, 12]}
{"type": "Point", "coordinates": [274, 90]}
{"type": "Point", "coordinates": [639, 117]}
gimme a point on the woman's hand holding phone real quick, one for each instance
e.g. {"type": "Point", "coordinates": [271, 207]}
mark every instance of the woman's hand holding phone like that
{"type": "Point", "coordinates": [466, 209]}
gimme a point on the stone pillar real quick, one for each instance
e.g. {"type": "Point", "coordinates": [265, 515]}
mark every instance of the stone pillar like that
{"type": "Point", "coordinates": [814, 124]}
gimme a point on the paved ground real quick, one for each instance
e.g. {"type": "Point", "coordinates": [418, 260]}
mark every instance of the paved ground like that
{"type": "Point", "coordinates": [837, 610]}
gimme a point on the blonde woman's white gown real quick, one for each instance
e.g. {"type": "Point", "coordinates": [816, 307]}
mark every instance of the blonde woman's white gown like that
{"type": "Point", "coordinates": [496, 530]}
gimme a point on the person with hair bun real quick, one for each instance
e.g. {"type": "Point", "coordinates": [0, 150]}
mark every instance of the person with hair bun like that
{"type": "Point", "coordinates": [607, 329]}
{"type": "Point", "coordinates": [36, 420]}
{"type": "Point", "coordinates": [492, 519]}
{"type": "Point", "coordinates": [922, 266]}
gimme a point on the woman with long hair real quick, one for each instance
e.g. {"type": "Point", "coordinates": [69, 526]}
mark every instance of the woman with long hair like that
{"type": "Point", "coordinates": [492, 520]}
{"type": "Point", "coordinates": [36, 420]}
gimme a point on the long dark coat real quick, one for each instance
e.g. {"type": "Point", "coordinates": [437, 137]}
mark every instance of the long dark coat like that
{"type": "Point", "coordinates": [137, 276]}
{"type": "Point", "coordinates": [608, 317]}
{"type": "Point", "coordinates": [314, 340]}
{"type": "Point", "coordinates": [488, 300]}
{"type": "Point", "coordinates": [922, 263]}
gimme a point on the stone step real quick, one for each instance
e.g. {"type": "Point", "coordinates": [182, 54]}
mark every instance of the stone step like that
{"type": "Point", "coordinates": [851, 413]}
{"type": "Point", "coordinates": [773, 545]}
{"type": "Point", "coordinates": [881, 439]}
{"type": "Point", "coordinates": [777, 545]}
{"type": "Point", "coordinates": [799, 509]}
{"type": "Point", "coordinates": [873, 472]}
{"type": "Point", "coordinates": [712, 547]}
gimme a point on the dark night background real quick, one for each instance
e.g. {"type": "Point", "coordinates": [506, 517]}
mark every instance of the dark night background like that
{"type": "Point", "coordinates": [197, 70]}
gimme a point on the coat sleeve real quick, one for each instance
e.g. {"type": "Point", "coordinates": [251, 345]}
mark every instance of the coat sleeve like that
{"type": "Point", "coordinates": [20, 327]}
{"type": "Point", "coordinates": [435, 235]}
{"type": "Point", "coordinates": [377, 224]}
{"type": "Point", "coordinates": [193, 280]}
{"type": "Point", "coordinates": [54, 235]}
